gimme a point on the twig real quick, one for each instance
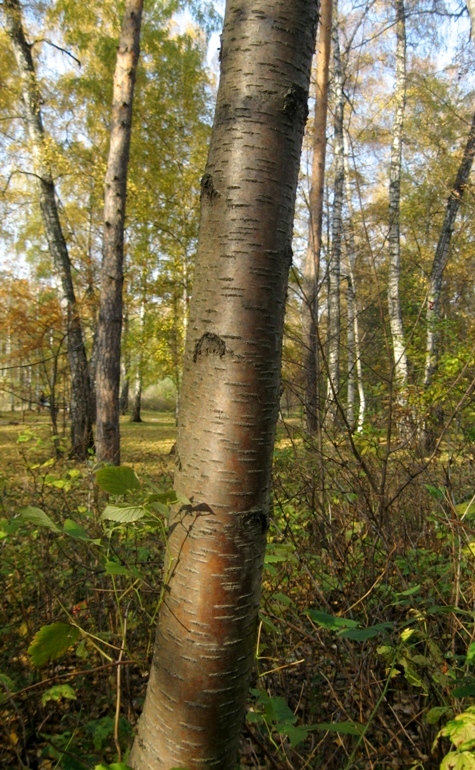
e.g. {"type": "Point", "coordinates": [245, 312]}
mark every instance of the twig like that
{"type": "Point", "coordinates": [74, 674]}
{"type": "Point", "coordinates": [118, 697]}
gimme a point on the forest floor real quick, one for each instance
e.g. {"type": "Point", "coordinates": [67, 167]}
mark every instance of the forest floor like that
{"type": "Point", "coordinates": [366, 639]}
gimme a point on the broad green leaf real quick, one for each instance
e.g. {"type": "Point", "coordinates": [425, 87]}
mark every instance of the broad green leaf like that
{"type": "Point", "coordinates": [117, 480]}
{"type": "Point", "coordinates": [52, 641]}
{"type": "Point", "coordinates": [435, 714]}
{"type": "Point", "coordinates": [362, 634]}
{"type": "Point", "coordinates": [435, 492]}
{"type": "Point", "coordinates": [113, 568]}
{"type": "Point", "coordinates": [409, 591]}
{"type": "Point", "coordinates": [282, 599]}
{"type": "Point", "coordinates": [343, 728]}
{"type": "Point", "coordinates": [8, 686]}
{"type": "Point", "coordinates": [254, 717]}
{"type": "Point", "coordinates": [460, 730]}
{"type": "Point", "coordinates": [331, 622]}
{"type": "Point", "coordinates": [294, 733]}
{"type": "Point", "coordinates": [161, 508]}
{"type": "Point", "coordinates": [455, 760]}
{"type": "Point", "coordinates": [464, 691]}
{"type": "Point", "coordinates": [124, 514]}
{"type": "Point", "coordinates": [277, 710]}
{"type": "Point", "coordinates": [470, 653]}
{"type": "Point", "coordinates": [36, 516]}
{"type": "Point", "coordinates": [57, 692]}
{"type": "Point", "coordinates": [73, 529]}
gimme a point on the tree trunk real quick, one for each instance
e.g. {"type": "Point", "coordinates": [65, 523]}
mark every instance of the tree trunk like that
{"type": "Point", "coordinates": [81, 412]}
{"type": "Point", "coordinates": [394, 275]}
{"type": "Point", "coordinates": [206, 634]}
{"type": "Point", "coordinates": [355, 369]}
{"type": "Point", "coordinates": [112, 274]}
{"type": "Point", "coordinates": [137, 401]}
{"type": "Point", "coordinates": [124, 390]}
{"type": "Point", "coordinates": [312, 259]}
{"type": "Point", "coordinates": [442, 255]}
{"type": "Point", "coordinates": [334, 268]}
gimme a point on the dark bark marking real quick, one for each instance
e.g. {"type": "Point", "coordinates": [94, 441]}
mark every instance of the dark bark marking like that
{"type": "Point", "coordinates": [209, 344]}
{"type": "Point", "coordinates": [296, 103]}
{"type": "Point", "coordinates": [288, 254]}
{"type": "Point", "coordinates": [254, 518]}
{"type": "Point", "coordinates": [208, 189]}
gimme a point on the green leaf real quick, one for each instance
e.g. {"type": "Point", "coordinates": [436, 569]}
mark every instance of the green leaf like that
{"type": "Point", "coordinates": [117, 480]}
{"type": "Point", "coordinates": [435, 714]}
{"type": "Point", "coordinates": [435, 492]}
{"type": "Point", "coordinates": [362, 634]}
{"type": "Point", "coordinates": [73, 529]}
{"type": "Point", "coordinates": [409, 591]}
{"type": "Point", "coordinates": [331, 622]}
{"type": "Point", "coordinates": [455, 760]}
{"type": "Point", "coordinates": [343, 728]}
{"type": "Point", "coordinates": [296, 734]}
{"type": "Point", "coordinates": [470, 653]}
{"type": "Point", "coordinates": [278, 711]}
{"type": "Point", "coordinates": [9, 684]}
{"type": "Point", "coordinates": [38, 517]}
{"type": "Point", "coordinates": [113, 568]}
{"type": "Point", "coordinates": [57, 692]}
{"type": "Point", "coordinates": [464, 691]}
{"type": "Point", "coordinates": [162, 509]}
{"type": "Point", "coordinates": [52, 641]}
{"type": "Point", "coordinates": [124, 514]}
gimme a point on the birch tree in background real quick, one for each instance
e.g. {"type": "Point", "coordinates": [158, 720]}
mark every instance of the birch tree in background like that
{"type": "Point", "coordinates": [312, 259]}
{"type": "Point", "coordinates": [81, 403]}
{"type": "Point", "coordinates": [205, 644]}
{"type": "Point", "coordinates": [442, 254]}
{"type": "Point", "coordinates": [394, 244]}
{"type": "Point", "coordinates": [112, 274]}
{"type": "Point", "coordinates": [334, 266]}
{"type": "Point", "coordinates": [355, 369]}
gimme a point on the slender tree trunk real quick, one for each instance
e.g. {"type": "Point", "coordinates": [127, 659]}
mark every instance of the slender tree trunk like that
{"type": "Point", "coordinates": [206, 635]}
{"type": "Point", "coordinates": [334, 269]}
{"type": "Point", "coordinates": [442, 253]}
{"type": "Point", "coordinates": [81, 412]}
{"type": "Point", "coordinates": [394, 275]}
{"type": "Point", "coordinates": [355, 369]}
{"type": "Point", "coordinates": [137, 399]}
{"type": "Point", "coordinates": [312, 259]}
{"type": "Point", "coordinates": [125, 387]}
{"type": "Point", "coordinates": [112, 274]}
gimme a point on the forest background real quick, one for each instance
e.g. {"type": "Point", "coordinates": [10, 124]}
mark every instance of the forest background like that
{"type": "Point", "coordinates": [366, 640]}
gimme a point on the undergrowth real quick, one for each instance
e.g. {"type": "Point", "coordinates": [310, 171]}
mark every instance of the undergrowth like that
{"type": "Point", "coordinates": [366, 652]}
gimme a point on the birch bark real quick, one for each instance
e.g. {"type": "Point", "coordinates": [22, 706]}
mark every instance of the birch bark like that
{"type": "Point", "coordinates": [81, 404]}
{"type": "Point", "coordinates": [112, 274]}
{"type": "Point", "coordinates": [442, 254]}
{"type": "Point", "coordinates": [334, 269]}
{"type": "Point", "coordinates": [394, 274]}
{"type": "Point", "coordinates": [206, 633]}
{"type": "Point", "coordinates": [355, 369]}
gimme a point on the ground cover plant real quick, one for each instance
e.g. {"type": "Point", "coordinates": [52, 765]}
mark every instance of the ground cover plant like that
{"type": "Point", "coordinates": [365, 655]}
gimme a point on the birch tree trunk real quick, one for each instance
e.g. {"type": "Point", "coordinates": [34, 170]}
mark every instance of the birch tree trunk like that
{"type": "Point", "coordinates": [334, 269]}
{"type": "Point", "coordinates": [394, 274]}
{"type": "Point", "coordinates": [112, 274]}
{"type": "Point", "coordinates": [206, 634]}
{"type": "Point", "coordinates": [312, 259]}
{"type": "Point", "coordinates": [81, 410]}
{"type": "Point", "coordinates": [442, 254]}
{"type": "Point", "coordinates": [355, 369]}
